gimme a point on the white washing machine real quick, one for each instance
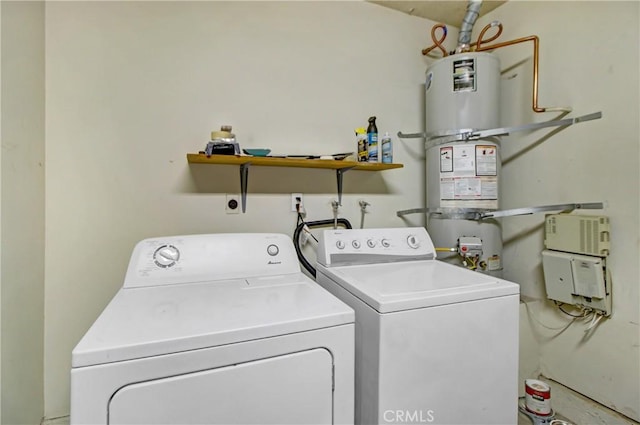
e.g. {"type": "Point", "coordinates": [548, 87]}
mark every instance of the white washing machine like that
{"type": "Point", "coordinates": [435, 343]}
{"type": "Point", "coordinates": [216, 329]}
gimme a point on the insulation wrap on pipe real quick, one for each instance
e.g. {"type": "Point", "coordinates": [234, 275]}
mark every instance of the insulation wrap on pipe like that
{"type": "Point", "coordinates": [470, 17]}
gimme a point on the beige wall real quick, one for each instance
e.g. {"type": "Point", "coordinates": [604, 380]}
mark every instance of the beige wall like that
{"type": "Point", "coordinates": [0, 216]}
{"type": "Point", "coordinates": [133, 86]}
{"type": "Point", "coordinates": [22, 202]}
{"type": "Point", "coordinates": [589, 60]}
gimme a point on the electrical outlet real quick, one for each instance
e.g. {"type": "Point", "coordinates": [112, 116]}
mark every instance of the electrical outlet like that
{"type": "Point", "coordinates": [296, 198]}
{"type": "Point", "coordinates": [232, 204]}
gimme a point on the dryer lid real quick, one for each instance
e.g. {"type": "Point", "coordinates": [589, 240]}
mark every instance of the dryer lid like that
{"type": "Point", "coordinates": [391, 287]}
{"type": "Point", "coordinates": [151, 321]}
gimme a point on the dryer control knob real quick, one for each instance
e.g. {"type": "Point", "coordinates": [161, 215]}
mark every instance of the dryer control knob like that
{"type": "Point", "coordinates": [385, 243]}
{"type": "Point", "coordinates": [273, 250]}
{"type": "Point", "coordinates": [371, 243]}
{"type": "Point", "coordinates": [413, 242]}
{"type": "Point", "coordinates": [340, 244]}
{"type": "Point", "coordinates": [356, 244]}
{"type": "Point", "coordinates": [166, 256]}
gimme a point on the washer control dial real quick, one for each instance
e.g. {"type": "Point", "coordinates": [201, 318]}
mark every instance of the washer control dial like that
{"type": "Point", "coordinates": [413, 241]}
{"type": "Point", "coordinates": [273, 250]}
{"type": "Point", "coordinates": [371, 243]}
{"type": "Point", "coordinates": [385, 243]}
{"type": "Point", "coordinates": [340, 244]}
{"type": "Point", "coordinates": [166, 256]}
{"type": "Point", "coordinates": [356, 244]}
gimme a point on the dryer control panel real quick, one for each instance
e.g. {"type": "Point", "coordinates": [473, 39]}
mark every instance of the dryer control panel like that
{"type": "Point", "coordinates": [200, 258]}
{"type": "Point", "coordinates": [365, 246]}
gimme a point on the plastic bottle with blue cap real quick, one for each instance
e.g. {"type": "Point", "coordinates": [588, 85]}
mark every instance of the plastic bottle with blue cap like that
{"type": "Point", "coordinates": [387, 149]}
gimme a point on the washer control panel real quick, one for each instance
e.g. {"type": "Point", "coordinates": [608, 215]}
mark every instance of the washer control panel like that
{"type": "Point", "coordinates": [364, 246]}
{"type": "Point", "coordinates": [201, 258]}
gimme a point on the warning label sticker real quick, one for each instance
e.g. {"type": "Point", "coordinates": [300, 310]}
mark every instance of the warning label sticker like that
{"type": "Point", "coordinates": [464, 161]}
{"type": "Point", "coordinates": [468, 188]}
{"type": "Point", "coordinates": [486, 160]}
{"type": "Point", "coordinates": [469, 176]}
{"type": "Point", "coordinates": [446, 159]}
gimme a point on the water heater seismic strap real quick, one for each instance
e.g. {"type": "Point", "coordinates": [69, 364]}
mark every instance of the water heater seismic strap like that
{"type": "Point", "coordinates": [545, 208]}
{"type": "Point", "coordinates": [533, 126]}
{"type": "Point", "coordinates": [434, 139]}
{"type": "Point", "coordinates": [411, 135]}
{"type": "Point", "coordinates": [471, 214]}
{"type": "Point", "coordinates": [456, 214]}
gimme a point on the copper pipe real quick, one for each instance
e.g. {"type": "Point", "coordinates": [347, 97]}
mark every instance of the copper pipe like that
{"type": "Point", "coordinates": [437, 43]}
{"type": "Point", "coordinates": [535, 40]}
{"type": "Point", "coordinates": [485, 29]}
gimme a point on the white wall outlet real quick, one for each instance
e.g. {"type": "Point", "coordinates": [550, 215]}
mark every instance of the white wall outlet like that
{"type": "Point", "coordinates": [297, 198]}
{"type": "Point", "coordinates": [232, 204]}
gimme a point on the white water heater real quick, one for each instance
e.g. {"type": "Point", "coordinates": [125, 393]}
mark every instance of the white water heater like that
{"type": "Point", "coordinates": [462, 144]}
{"type": "Point", "coordinates": [462, 176]}
{"type": "Point", "coordinates": [463, 92]}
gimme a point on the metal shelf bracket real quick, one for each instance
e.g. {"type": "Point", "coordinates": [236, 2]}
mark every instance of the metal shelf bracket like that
{"type": "Point", "coordinates": [339, 173]}
{"type": "Point", "coordinates": [244, 177]}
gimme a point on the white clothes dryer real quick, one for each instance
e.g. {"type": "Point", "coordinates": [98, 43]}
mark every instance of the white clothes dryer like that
{"type": "Point", "coordinates": [216, 329]}
{"type": "Point", "coordinates": [435, 343]}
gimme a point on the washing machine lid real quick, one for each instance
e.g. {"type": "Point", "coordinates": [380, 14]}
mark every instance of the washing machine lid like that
{"type": "Point", "coordinates": [391, 287]}
{"type": "Point", "coordinates": [151, 321]}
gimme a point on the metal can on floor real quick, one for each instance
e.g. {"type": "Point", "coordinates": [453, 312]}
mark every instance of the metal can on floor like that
{"type": "Point", "coordinates": [537, 397]}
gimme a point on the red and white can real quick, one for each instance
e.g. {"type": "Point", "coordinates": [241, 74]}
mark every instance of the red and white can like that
{"type": "Point", "coordinates": [537, 397]}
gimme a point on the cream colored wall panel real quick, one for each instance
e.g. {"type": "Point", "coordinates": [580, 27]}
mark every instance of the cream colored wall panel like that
{"type": "Point", "coordinates": [133, 86]}
{"type": "Point", "coordinates": [0, 221]}
{"type": "Point", "coordinates": [22, 204]}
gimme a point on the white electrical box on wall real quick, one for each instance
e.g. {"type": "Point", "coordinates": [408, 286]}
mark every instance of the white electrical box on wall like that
{"type": "Point", "coordinates": [571, 277]}
{"type": "Point", "coordinates": [577, 279]}
{"type": "Point", "coordinates": [582, 234]}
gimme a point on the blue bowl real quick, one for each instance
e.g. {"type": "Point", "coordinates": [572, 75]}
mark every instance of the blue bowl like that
{"type": "Point", "coordinates": [257, 152]}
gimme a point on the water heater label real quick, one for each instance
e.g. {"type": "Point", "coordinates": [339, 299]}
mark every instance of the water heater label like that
{"type": "Point", "coordinates": [446, 159]}
{"type": "Point", "coordinates": [464, 75]}
{"type": "Point", "coordinates": [486, 160]}
{"type": "Point", "coordinates": [464, 161]}
{"type": "Point", "coordinates": [469, 176]}
{"type": "Point", "coordinates": [467, 188]}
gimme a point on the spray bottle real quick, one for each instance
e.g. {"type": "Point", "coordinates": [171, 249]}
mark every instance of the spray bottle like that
{"type": "Point", "coordinates": [372, 140]}
{"type": "Point", "coordinates": [363, 149]}
{"type": "Point", "coordinates": [386, 149]}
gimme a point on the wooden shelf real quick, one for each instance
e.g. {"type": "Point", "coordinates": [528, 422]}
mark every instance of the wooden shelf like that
{"type": "Point", "coordinates": [265, 161]}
